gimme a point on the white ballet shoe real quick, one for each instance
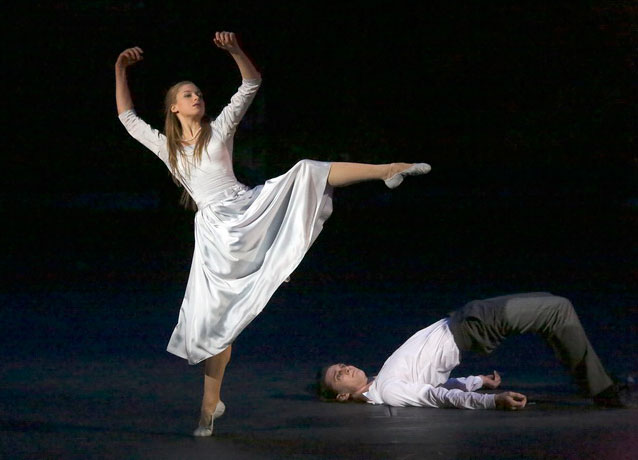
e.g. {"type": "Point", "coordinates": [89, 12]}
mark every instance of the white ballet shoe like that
{"type": "Point", "coordinates": [220, 408]}
{"type": "Point", "coordinates": [202, 431]}
{"type": "Point", "coordinates": [414, 170]}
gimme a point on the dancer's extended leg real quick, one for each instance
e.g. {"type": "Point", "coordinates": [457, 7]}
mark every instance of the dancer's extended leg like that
{"type": "Point", "coordinates": [344, 174]}
{"type": "Point", "coordinates": [214, 368]}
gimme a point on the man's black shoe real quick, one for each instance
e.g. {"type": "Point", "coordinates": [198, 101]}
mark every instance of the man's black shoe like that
{"type": "Point", "coordinates": [617, 396]}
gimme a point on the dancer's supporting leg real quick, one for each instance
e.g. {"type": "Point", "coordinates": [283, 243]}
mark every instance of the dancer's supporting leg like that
{"type": "Point", "coordinates": [343, 174]}
{"type": "Point", "coordinates": [214, 368]}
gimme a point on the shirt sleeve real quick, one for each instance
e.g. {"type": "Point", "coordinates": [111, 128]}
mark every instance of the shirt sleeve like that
{"type": "Point", "coordinates": [469, 383]}
{"type": "Point", "coordinates": [401, 393]}
{"type": "Point", "coordinates": [141, 131]}
{"type": "Point", "coordinates": [226, 122]}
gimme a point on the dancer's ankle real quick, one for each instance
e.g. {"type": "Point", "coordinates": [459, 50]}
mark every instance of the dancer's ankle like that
{"type": "Point", "coordinates": [205, 419]}
{"type": "Point", "coordinates": [206, 413]}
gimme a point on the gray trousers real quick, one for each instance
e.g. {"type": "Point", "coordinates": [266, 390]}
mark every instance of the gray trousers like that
{"type": "Point", "coordinates": [481, 325]}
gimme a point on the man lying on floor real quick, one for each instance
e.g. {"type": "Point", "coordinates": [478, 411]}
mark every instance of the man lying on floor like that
{"type": "Point", "coordinates": [417, 374]}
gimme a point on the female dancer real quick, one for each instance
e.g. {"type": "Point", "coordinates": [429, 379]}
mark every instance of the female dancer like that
{"type": "Point", "coordinates": [247, 241]}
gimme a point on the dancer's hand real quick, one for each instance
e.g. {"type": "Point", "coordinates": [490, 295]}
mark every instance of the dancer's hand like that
{"type": "Point", "coordinates": [129, 57]}
{"type": "Point", "coordinates": [510, 400]}
{"type": "Point", "coordinates": [227, 41]}
{"type": "Point", "coordinates": [491, 381]}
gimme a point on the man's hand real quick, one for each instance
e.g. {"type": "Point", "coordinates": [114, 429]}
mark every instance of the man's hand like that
{"type": "Point", "coordinates": [227, 41]}
{"type": "Point", "coordinates": [510, 400]}
{"type": "Point", "coordinates": [491, 381]}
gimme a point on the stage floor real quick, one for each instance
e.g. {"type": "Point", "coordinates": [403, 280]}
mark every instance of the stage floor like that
{"type": "Point", "coordinates": [90, 379]}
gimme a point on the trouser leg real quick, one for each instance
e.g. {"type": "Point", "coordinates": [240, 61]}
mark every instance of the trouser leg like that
{"type": "Point", "coordinates": [482, 325]}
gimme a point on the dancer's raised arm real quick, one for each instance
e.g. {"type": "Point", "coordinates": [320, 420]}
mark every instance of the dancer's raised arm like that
{"type": "Point", "coordinates": [122, 93]}
{"type": "Point", "coordinates": [227, 121]}
{"type": "Point", "coordinates": [227, 41]}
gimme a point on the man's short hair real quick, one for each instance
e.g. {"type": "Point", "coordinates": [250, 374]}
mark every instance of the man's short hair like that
{"type": "Point", "coordinates": [324, 392]}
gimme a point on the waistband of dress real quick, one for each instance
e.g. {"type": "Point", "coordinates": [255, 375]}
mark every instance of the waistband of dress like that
{"type": "Point", "coordinates": [230, 192]}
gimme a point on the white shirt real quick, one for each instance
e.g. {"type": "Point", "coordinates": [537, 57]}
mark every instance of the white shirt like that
{"type": "Point", "coordinates": [417, 374]}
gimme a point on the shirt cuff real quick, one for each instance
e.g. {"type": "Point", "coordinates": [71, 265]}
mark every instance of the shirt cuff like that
{"type": "Point", "coordinates": [476, 382]}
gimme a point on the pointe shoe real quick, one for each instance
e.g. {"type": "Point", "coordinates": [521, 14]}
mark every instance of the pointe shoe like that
{"type": "Point", "coordinates": [220, 408]}
{"type": "Point", "coordinates": [202, 431]}
{"type": "Point", "coordinates": [414, 170]}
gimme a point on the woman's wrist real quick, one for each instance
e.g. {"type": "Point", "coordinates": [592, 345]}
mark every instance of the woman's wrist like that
{"type": "Point", "coordinates": [238, 53]}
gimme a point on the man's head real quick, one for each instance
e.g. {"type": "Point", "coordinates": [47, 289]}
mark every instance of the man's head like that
{"type": "Point", "coordinates": [342, 382]}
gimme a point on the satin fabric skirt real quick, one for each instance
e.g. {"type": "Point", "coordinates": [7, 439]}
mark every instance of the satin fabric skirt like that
{"type": "Point", "coordinates": [246, 245]}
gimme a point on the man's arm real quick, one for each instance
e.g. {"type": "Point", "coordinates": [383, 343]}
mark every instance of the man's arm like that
{"type": "Point", "coordinates": [401, 393]}
{"type": "Point", "coordinates": [469, 383]}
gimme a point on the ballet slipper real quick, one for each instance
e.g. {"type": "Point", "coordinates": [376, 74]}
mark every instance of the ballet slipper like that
{"type": "Point", "coordinates": [414, 170]}
{"type": "Point", "coordinates": [220, 408]}
{"type": "Point", "coordinates": [207, 430]}
{"type": "Point", "coordinates": [202, 431]}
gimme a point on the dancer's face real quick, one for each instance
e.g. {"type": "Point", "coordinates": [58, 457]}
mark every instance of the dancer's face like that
{"type": "Point", "coordinates": [189, 101]}
{"type": "Point", "coordinates": [345, 379]}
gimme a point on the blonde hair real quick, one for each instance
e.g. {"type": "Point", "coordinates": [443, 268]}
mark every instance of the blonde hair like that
{"type": "Point", "coordinates": [173, 132]}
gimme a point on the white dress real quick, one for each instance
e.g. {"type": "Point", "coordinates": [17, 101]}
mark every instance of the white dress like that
{"type": "Point", "coordinates": [247, 241]}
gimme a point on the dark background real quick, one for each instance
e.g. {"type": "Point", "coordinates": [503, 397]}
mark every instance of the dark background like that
{"type": "Point", "coordinates": [522, 107]}
{"type": "Point", "coordinates": [505, 97]}
{"type": "Point", "coordinates": [525, 111]}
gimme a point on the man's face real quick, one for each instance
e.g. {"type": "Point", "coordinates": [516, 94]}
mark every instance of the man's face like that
{"type": "Point", "coordinates": [345, 379]}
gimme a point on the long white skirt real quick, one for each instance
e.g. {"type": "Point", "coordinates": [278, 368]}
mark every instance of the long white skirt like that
{"type": "Point", "coordinates": [246, 245]}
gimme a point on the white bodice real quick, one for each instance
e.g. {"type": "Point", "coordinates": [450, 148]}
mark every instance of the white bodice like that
{"type": "Point", "coordinates": [214, 174]}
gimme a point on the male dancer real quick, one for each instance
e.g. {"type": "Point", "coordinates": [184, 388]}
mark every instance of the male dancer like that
{"type": "Point", "coordinates": [417, 374]}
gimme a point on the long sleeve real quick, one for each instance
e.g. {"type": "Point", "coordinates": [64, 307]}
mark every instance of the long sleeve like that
{"type": "Point", "coordinates": [469, 383]}
{"type": "Point", "coordinates": [143, 133]}
{"type": "Point", "coordinates": [227, 121]}
{"type": "Point", "coordinates": [401, 393]}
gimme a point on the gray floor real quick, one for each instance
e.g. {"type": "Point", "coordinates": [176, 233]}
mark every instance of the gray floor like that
{"type": "Point", "coordinates": [75, 389]}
